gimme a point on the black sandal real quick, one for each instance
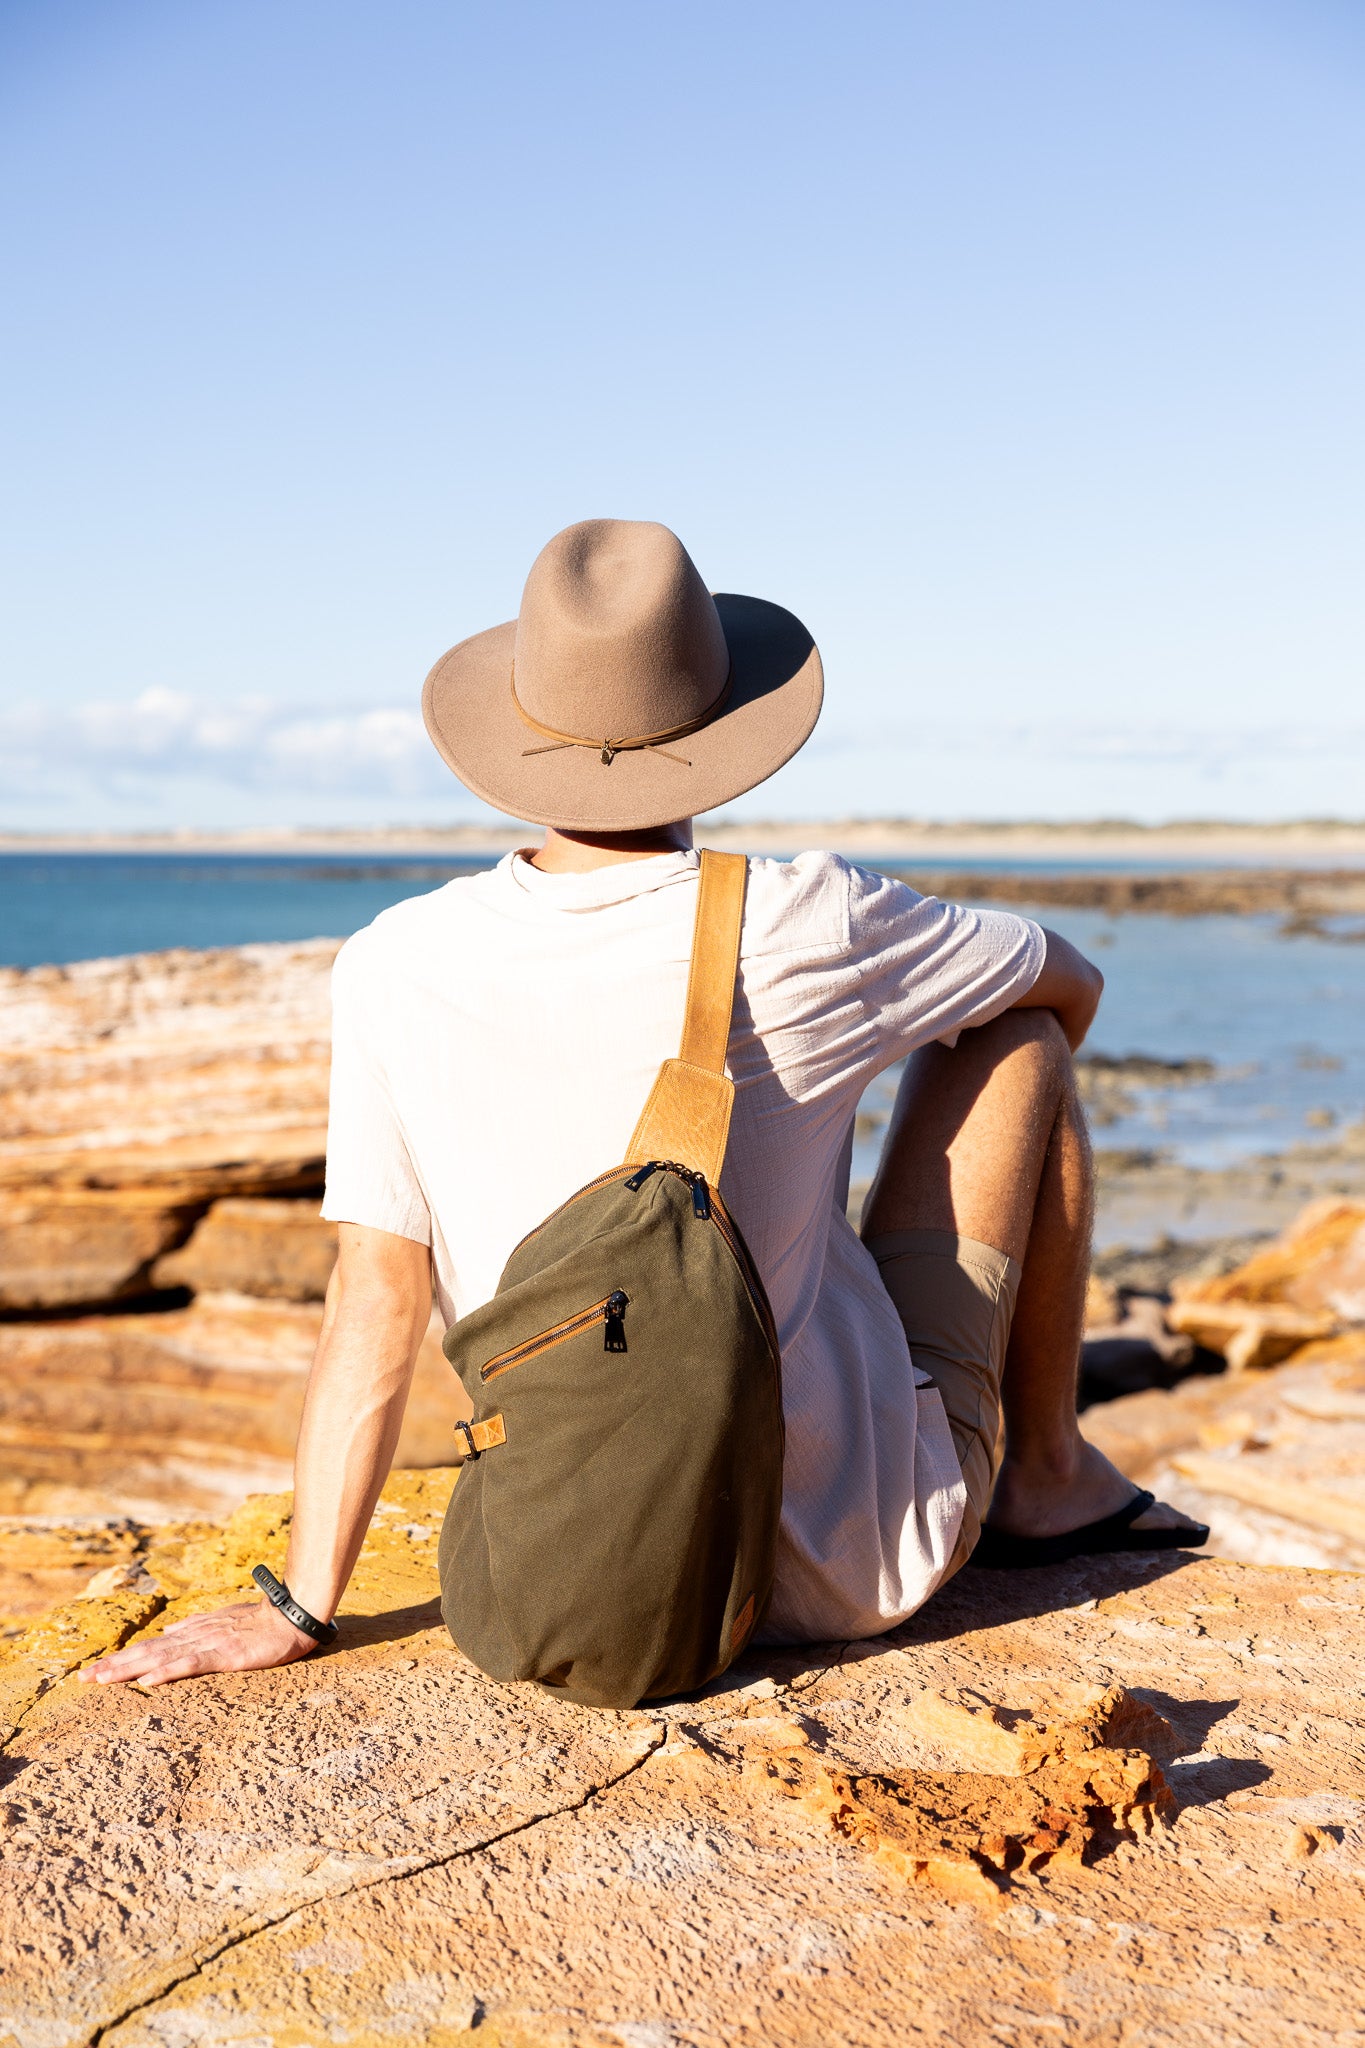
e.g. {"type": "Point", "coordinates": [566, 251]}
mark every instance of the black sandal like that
{"type": "Point", "coordinates": [996, 1551]}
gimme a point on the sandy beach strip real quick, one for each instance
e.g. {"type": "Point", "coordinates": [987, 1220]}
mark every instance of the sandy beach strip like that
{"type": "Point", "coordinates": [1307, 872]}
{"type": "Point", "coordinates": [1199, 843]}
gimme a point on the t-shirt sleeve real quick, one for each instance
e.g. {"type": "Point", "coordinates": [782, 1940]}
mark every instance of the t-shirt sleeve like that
{"type": "Point", "coordinates": [370, 1175]}
{"type": "Point", "coordinates": [932, 969]}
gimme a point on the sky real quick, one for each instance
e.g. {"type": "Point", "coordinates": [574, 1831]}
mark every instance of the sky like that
{"type": "Point", "coordinates": [1017, 345]}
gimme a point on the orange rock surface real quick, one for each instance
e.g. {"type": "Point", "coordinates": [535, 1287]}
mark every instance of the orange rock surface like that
{"type": "Point", "coordinates": [1273, 1461]}
{"type": "Point", "coordinates": [1308, 1285]}
{"type": "Point", "coordinates": [1317, 1265]}
{"type": "Point", "coordinates": [178, 1413]}
{"type": "Point", "coordinates": [1121, 1800]}
{"type": "Point", "coordinates": [71, 1247]}
{"type": "Point", "coordinates": [277, 1250]}
{"type": "Point", "coordinates": [195, 1073]}
{"type": "Point", "coordinates": [160, 1118]}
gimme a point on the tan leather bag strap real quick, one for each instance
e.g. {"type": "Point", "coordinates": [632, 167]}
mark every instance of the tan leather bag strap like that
{"type": "Point", "coordinates": [715, 960]}
{"type": "Point", "coordinates": [687, 1116]}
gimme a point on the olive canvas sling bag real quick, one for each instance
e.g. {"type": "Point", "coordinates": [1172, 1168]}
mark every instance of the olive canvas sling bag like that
{"type": "Point", "coordinates": [613, 1528]}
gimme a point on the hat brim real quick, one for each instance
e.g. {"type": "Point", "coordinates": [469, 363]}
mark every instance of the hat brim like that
{"type": "Point", "coordinates": [776, 689]}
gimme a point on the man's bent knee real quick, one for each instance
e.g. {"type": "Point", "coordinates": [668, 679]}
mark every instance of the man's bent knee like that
{"type": "Point", "coordinates": [1017, 1031]}
{"type": "Point", "coordinates": [1028, 1046]}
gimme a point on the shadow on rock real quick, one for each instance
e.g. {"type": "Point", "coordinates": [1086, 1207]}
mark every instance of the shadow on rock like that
{"type": "Point", "coordinates": [1191, 1720]}
{"type": "Point", "coordinates": [394, 1625]}
{"type": "Point", "coordinates": [1213, 1778]}
{"type": "Point", "coordinates": [987, 1599]}
{"type": "Point", "coordinates": [971, 1601]}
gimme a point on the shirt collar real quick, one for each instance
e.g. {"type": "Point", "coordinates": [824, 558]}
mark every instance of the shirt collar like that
{"type": "Point", "coordinates": [594, 888]}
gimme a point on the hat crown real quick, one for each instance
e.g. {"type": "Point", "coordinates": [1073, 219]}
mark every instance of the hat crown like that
{"type": "Point", "coordinates": [617, 637]}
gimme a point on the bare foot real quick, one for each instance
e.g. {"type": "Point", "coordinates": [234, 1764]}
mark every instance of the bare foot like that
{"type": "Point", "coordinates": [1031, 1502]}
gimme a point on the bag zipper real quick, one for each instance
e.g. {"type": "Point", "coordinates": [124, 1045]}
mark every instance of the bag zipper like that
{"type": "Point", "coordinates": [758, 1294]}
{"type": "Point", "coordinates": [701, 1196]}
{"type": "Point", "coordinates": [708, 1206]}
{"type": "Point", "coordinates": [610, 1312]}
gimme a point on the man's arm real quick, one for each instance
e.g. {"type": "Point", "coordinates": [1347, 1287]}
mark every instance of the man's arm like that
{"type": "Point", "coordinates": [378, 1306]}
{"type": "Point", "coordinates": [1069, 985]}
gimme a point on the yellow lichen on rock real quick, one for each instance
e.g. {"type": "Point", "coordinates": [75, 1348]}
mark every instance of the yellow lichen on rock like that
{"type": "Point", "coordinates": [168, 1574]}
{"type": "Point", "coordinates": [71, 1635]}
{"type": "Point", "coordinates": [44, 1561]}
{"type": "Point", "coordinates": [396, 1566]}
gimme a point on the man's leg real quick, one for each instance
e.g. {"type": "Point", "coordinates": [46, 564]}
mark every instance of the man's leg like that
{"type": "Point", "coordinates": [988, 1142]}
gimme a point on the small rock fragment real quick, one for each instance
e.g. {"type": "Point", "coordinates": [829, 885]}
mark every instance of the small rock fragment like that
{"type": "Point", "coordinates": [966, 1833]}
{"type": "Point", "coordinates": [119, 1578]}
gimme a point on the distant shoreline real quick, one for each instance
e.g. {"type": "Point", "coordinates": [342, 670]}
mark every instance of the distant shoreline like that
{"type": "Point", "coordinates": [1198, 842]}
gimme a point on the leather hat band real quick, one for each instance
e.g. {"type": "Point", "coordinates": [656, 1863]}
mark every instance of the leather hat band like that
{"type": "Point", "coordinates": [609, 749]}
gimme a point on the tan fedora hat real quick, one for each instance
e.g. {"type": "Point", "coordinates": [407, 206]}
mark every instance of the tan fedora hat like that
{"type": "Point", "coordinates": [624, 694]}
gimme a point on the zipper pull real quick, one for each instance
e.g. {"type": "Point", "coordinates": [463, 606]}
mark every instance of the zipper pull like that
{"type": "Point", "coordinates": [637, 1180]}
{"type": "Point", "coordinates": [701, 1200]}
{"type": "Point", "coordinates": [615, 1337]}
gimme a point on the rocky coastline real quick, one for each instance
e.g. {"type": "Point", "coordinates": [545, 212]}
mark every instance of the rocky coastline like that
{"type": "Point", "coordinates": [1121, 1798]}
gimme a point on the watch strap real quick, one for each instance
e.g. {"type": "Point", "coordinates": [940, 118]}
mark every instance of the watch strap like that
{"type": "Point", "coordinates": [279, 1595]}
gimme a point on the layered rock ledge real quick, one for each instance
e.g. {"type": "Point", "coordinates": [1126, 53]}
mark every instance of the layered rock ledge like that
{"type": "Point", "coordinates": [162, 1137]}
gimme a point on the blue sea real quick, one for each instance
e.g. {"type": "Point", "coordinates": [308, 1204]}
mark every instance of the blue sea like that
{"type": "Point", "coordinates": [1281, 1018]}
{"type": "Point", "coordinates": [56, 907]}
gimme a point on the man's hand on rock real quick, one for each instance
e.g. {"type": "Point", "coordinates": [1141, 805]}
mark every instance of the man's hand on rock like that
{"type": "Point", "coordinates": [246, 1637]}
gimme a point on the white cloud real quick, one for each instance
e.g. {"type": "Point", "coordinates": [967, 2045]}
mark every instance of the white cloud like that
{"type": "Point", "coordinates": [169, 758]}
{"type": "Point", "coordinates": [250, 743]}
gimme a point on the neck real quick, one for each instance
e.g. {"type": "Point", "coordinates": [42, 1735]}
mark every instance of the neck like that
{"type": "Point", "coordinates": [570, 853]}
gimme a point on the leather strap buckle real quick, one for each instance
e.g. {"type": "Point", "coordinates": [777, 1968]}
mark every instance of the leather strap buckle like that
{"type": "Point", "coordinates": [481, 1436]}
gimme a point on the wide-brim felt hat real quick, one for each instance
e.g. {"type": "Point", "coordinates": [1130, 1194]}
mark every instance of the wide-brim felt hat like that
{"type": "Point", "coordinates": [624, 694]}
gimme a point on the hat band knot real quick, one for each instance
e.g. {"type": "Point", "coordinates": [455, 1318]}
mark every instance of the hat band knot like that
{"type": "Point", "coordinates": [609, 749]}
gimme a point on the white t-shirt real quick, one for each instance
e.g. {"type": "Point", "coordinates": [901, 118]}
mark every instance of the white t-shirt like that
{"type": "Point", "coordinates": [493, 1044]}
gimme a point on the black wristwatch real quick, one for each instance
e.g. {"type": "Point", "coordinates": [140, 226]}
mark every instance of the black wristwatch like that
{"type": "Point", "coordinates": [279, 1595]}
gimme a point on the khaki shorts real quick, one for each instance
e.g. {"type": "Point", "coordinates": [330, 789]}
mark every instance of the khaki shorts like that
{"type": "Point", "coordinates": [956, 1299]}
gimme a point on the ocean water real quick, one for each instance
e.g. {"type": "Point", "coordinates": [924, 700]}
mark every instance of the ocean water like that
{"type": "Point", "coordinates": [87, 906]}
{"type": "Point", "coordinates": [1282, 1019]}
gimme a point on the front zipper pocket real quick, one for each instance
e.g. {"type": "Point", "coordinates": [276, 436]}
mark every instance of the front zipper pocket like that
{"type": "Point", "coordinates": [610, 1311]}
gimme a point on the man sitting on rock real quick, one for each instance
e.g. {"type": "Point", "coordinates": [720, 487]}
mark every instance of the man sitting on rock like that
{"type": "Point", "coordinates": [495, 1039]}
